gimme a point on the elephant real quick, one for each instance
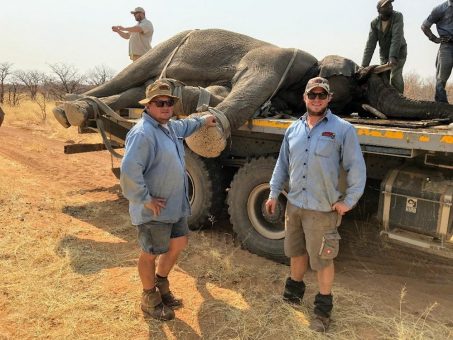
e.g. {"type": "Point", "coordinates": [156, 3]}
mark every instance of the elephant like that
{"type": "Point", "coordinates": [241, 74]}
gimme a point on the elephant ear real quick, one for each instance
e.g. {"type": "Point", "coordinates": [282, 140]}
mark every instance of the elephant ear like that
{"type": "Point", "coordinates": [334, 65]}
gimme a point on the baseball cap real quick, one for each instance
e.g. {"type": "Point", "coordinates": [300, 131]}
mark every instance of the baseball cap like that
{"type": "Point", "coordinates": [138, 10]}
{"type": "Point", "coordinates": [317, 82]}
{"type": "Point", "coordinates": [155, 90]}
{"type": "Point", "coordinates": [382, 3]}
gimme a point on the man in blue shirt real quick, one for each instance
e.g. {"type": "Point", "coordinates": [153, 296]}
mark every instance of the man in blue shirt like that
{"type": "Point", "coordinates": [313, 151]}
{"type": "Point", "coordinates": [154, 180]}
{"type": "Point", "coordinates": [442, 16]}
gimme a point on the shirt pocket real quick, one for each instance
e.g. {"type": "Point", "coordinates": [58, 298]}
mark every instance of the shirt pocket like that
{"type": "Point", "coordinates": [325, 147]}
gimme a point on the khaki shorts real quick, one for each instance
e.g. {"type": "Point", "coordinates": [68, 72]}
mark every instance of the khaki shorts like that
{"type": "Point", "coordinates": [312, 232]}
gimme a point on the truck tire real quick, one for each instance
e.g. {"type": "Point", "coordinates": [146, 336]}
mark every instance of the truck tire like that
{"type": "Point", "coordinates": [206, 190]}
{"type": "Point", "coordinates": [258, 232]}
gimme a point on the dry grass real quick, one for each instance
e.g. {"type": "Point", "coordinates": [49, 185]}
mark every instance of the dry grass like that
{"type": "Point", "coordinates": [64, 277]}
{"type": "Point", "coordinates": [29, 114]}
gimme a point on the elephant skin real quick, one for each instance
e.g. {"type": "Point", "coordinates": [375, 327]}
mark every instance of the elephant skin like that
{"type": "Point", "coordinates": [242, 73]}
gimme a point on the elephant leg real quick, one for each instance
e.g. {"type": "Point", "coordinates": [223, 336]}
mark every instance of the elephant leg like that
{"type": "Point", "coordinates": [253, 84]}
{"type": "Point", "coordinates": [77, 112]}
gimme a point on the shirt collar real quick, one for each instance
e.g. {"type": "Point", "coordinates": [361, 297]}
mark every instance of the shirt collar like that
{"type": "Point", "coordinates": [327, 115]}
{"type": "Point", "coordinates": [450, 2]}
{"type": "Point", "coordinates": [150, 119]}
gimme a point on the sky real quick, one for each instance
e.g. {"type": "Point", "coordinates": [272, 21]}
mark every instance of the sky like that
{"type": "Point", "coordinates": [78, 33]}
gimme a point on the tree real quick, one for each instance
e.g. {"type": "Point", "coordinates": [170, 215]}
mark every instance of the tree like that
{"type": "Point", "coordinates": [5, 71]}
{"type": "Point", "coordinates": [67, 79]}
{"type": "Point", "coordinates": [31, 80]}
{"type": "Point", "coordinates": [99, 75]}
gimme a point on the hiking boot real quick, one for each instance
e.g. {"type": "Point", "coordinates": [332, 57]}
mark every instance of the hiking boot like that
{"type": "Point", "coordinates": [152, 306]}
{"type": "Point", "coordinates": [294, 291]}
{"type": "Point", "coordinates": [320, 323]}
{"type": "Point", "coordinates": [163, 285]}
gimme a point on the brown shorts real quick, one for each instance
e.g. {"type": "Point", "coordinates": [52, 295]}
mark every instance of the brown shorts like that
{"type": "Point", "coordinates": [312, 232]}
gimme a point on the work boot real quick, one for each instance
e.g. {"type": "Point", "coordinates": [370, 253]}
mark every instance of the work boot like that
{"type": "Point", "coordinates": [294, 291]}
{"type": "Point", "coordinates": [163, 285]}
{"type": "Point", "coordinates": [320, 324]}
{"type": "Point", "coordinates": [323, 308]}
{"type": "Point", "coordinates": [152, 306]}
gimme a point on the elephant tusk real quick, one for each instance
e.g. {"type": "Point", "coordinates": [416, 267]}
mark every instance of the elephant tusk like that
{"type": "Point", "coordinates": [382, 68]}
{"type": "Point", "coordinates": [374, 111]}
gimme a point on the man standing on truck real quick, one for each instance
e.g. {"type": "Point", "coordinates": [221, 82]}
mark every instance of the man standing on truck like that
{"type": "Point", "coordinates": [139, 36]}
{"type": "Point", "coordinates": [154, 180]}
{"type": "Point", "coordinates": [388, 29]}
{"type": "Point", "coordinates": [313, 150]}
{"type": "Point", "coordinates": [442, 16]}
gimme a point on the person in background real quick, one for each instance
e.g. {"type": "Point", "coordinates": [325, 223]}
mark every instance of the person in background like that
{"type": "Point", "coordinates": [153, 179]}
{"type": "Point", "coordinates": [442, 16]}
{"type": "Point", "coordinates": [313, 151]}
{"type": "Point", "coordinates": [139, 36]}
{"type": "Point", "coordinates": [388, 29]}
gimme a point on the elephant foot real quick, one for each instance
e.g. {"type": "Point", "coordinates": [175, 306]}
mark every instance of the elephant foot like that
{"type": "Point", "coordinates": [77, 112]}
{"type": "Point", "coordinates": [60, 116]}
{"type": "Point", "coordinates": [210, 142]}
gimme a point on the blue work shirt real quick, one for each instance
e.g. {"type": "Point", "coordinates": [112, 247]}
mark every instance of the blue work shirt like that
{"type": "Point", "coordinates": [311, 160]}
{"type": "Point", "coordinates": [442, 16]}
{"type": "Point", "coordinates": [153, 166]}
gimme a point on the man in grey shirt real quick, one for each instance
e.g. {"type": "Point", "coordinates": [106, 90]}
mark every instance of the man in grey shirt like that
{"type": "Point", "coordinates": [139, 35]}
{"type": "Point", "coordinates": [154, 180]}
{"type": "Point", "coordinates": [442, 16]}
{"type": "Point", "coordinates": [313, 151]}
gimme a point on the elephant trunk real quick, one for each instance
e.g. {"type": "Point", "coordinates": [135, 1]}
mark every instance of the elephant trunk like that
{"type": "Point", "coordinates": [387, 100]}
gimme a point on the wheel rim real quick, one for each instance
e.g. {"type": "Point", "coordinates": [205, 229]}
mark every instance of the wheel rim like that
{"type": "Point", "coordinates": [270, 226]}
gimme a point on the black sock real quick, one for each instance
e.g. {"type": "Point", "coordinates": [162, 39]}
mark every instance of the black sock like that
{"type": "Point", "coordinates": [323, 304]}
{"type": "Point", "coordinates": [161, 277]}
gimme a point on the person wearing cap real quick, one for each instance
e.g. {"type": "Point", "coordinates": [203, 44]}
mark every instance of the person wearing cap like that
{"type": "Point", "coordinates": [442, 16]}
{"type": "Point", "coordinates": [139, 36]}
{"type": "Point", "coordinates": [388, 29]}
{"type": "Point", "coordinates": [154, 180]}
{"type": "Point", "coordinates": [314, 150]}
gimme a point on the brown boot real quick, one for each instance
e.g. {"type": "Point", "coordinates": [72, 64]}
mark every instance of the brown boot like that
{"type": "Point", "coordinates": [320, 323]}
{"type": "Point", "coordinates": [167, 296]}
{"type": "Point", "coordinates": [152, 306]}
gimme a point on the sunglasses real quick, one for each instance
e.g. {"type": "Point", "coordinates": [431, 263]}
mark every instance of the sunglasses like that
{"type": "Point", "coordinates": [162, 103]}
{"type": "Point", "coordinates": [320, 95]}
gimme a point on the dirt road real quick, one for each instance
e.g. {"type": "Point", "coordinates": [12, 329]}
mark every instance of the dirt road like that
{"type": "Point", "coordinates": [68, 266]}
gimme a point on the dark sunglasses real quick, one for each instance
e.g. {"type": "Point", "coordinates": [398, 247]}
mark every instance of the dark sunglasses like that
{"type": "Point", "coordinates": [320, 95]}
{"type": "Point", "coordinates": [162, 103]}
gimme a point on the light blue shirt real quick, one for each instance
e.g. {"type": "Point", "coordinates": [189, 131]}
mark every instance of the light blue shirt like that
{"type": "Point", "coordinates": [311, 160]}
{"type": "Point", "coordinates": [153, 166]}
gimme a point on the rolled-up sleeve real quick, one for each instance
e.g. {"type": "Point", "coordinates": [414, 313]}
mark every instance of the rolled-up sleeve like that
{"type": "Point", "coordinates": [185, 127]}
{"type": "Point", "coordinates": [139, 153]}
{"type": "Point", "coordinates": [354, 164]}
{"type": "Point", "coordinates": [433, 18]}
{"type": "Point", "coordinates": [281, 170]}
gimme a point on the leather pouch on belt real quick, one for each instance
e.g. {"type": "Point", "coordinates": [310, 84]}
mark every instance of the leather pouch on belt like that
{"type": "Point", "coordinates": [330, 245]}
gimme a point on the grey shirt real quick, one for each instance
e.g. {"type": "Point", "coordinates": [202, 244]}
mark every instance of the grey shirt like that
{"type": "Point", "coordinates": [391, 40]}
{"type": "Point", "coordinates": [311, 160]}
{"type": "Point", "coordinates": [140, 42]}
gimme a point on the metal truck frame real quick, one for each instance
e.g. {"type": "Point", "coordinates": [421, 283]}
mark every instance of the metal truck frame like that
{"type": "Point", "coordinates": [412, 159]}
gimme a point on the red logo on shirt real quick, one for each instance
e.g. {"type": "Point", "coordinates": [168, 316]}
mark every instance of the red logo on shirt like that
{"type": "Point", "coordinates": [328, 134]}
